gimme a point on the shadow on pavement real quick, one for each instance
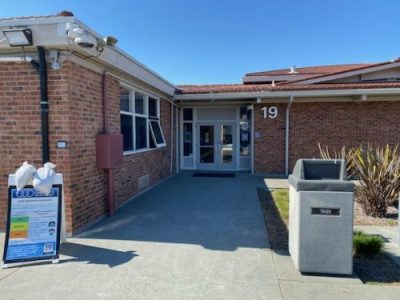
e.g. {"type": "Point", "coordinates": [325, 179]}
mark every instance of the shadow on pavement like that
{"type": "Point", "coordinates": [276, 227]}
{"type": "Point", "coordinates": [95, 255]}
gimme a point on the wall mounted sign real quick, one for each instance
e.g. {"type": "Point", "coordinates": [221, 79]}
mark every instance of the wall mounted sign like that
{"type": "Point", "coordinates": [324, 211]}
{"type": "Point", "coordinates": [270, 112]}
{"type": "Point", "coordinates": [33, 225]}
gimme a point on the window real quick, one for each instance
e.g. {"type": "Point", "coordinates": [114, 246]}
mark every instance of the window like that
{"type": "Point", "coordinates": [187, 132]}
{"type": "Point", "coordinates": [156, 133]}
{"type": "Point", "coordinates": [127, 131]}
{"type": "Point", "coordinates": [187, 114]}
{"type": "Point", "coordinates": [139, 103]}
{"type": "Point", "coordinates": [140, 121]}
{"type": "Point", "coordinates": [153, 107]}
{"type": "Point", "coordinates": [245, 131]}
{"type": "Point", "coordinates": [187, 139]}
{"type": "Point", "coordinates": [140, 133]}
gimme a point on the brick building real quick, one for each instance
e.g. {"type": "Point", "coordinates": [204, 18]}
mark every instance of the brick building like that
{"type": "Point", "coordinates": [90, 88]}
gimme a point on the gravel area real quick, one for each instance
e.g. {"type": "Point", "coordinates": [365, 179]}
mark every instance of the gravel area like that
{"type": "Point", "coordinates": [360, 218]}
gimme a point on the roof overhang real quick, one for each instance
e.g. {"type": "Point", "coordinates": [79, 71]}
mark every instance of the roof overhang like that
{"type": "Point", "coordinates": [50, 32]}
{"type": "Point", "coordinates": [283, 94]}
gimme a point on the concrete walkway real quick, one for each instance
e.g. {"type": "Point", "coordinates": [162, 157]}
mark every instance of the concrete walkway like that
{"type": "Point", "coordinates": [187, 238]}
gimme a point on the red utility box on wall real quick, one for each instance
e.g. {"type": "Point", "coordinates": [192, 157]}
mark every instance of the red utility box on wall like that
{"type": "Point", "coordinates": [109, 150]}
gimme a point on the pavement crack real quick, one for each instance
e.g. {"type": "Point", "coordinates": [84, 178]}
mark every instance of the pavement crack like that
{"type": "Point", "coordinates": [11, 273]}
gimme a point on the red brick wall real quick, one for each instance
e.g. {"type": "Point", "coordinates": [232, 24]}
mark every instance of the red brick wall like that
{"type": "Point", "coordinates": [155, 162]}
{"type": "Point", "coordinates": [20, 132]}
{"type": "Point", "coordinates": [19, 123]}
{"type": "Point", "coordinates": [269, 147]}
{"type": "Point", "coordinates": [75, 116]}
{"type": "Point", "coordinates": [331, 124]}
{"type": "Point", "coordinates": [341, 124]}
{"type": "Point", "coordinates": [89, 191]}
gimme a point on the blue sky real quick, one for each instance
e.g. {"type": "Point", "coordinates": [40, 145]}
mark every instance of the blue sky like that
{"type": "Point", "coordinates": [218, 41]}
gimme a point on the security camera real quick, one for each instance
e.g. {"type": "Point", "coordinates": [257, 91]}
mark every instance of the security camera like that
{"type": "Point", "coordinates": [85, 41]}
{"type": "Point", "coordinates": [110, 41]}
{"type": "Point", "coordinates": [81, 37]}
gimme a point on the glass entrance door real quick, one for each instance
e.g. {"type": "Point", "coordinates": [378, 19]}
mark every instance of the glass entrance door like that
{"type": "Point", "coordinates": [216, 146]}
{"type": "Point", "coordinates": [226, 146]}
{"type": "Point", "coordinates": [207, 144]}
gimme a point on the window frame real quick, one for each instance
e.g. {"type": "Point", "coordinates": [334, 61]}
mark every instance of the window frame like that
{"type": "Point", "coordinates": [158, 145]}
{"type": "Point", "coordinates": [145, 115]}
{"type": "Point", "coordinates": [183, 126]}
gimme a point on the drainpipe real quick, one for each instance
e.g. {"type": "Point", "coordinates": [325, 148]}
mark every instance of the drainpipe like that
{"type": "Point", "coordinates": [291, 99]}
{"type": "Point", "coordinates": [109, 171]}
{"type": "Point", "coordinates": [44, 105]}
{"type": "Point", "coordinates": [171, 139]}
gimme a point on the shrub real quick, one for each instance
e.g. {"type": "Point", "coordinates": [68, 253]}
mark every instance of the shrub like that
{"type": "Point", "coordinates": [379, 172]}
{"type": "Point", "coordinates": [345, 153]}
{"type": "Point", "coordinates": [367, 244]}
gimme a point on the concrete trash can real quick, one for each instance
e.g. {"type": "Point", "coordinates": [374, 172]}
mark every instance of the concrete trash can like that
{"type": "Point", "coordinates": [321, 217]}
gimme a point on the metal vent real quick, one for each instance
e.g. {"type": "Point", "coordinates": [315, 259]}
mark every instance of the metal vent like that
{"type": "Point", "coordinates": [144, 181]}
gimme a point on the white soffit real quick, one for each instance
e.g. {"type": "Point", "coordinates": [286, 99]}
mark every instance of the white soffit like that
{"type": "Point", "coordinates": [50, 32]}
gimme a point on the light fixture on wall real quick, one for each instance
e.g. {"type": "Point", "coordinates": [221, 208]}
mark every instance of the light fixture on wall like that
{"type": "Point", "coordinates": [19, 37]}
{"type": "Point", "coordinates": [53, 56]}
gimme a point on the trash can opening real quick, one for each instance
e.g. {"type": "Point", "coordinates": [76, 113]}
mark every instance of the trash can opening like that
{"type": "Point", "coordinates": [322, 170]}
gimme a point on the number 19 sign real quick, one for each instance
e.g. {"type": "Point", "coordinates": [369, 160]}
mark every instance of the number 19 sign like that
{"type": "Point", "coordinates": [270, 112]}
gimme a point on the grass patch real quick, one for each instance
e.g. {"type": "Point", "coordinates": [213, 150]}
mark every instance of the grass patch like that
{"type": "Point", "coordinates": [367, 244]}
{"type": "Point", "coordinates": [276, 226]}
{"type": "Point", "coordinates": [281, 199]}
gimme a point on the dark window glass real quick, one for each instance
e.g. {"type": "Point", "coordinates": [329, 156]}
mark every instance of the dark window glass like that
{"type": "Point", "coordinates": [187, 139]}
{"type": "Point", "coordinates": [206, 135]}
{"type": "Point", "coordinates": [187, 114]}
{"type": "Point", "coordinates": [124, 100]}
{"type": "Point", "coordinates": [245, 131]}
{"type": "Point", "coordinates": [141, 132]}
{"type": "Point", "coordinates": [153, 107]}
{"type": "Point", "coordinates": [207, 155]}
{"type": "Point", "coordinates": [155, 126]}
{"type": "Point", "coordinates": [152, 144]}
{"type": "Point", "coordinates": [127, 131]}
{"type": "Point", "coordinates": [139, 103]}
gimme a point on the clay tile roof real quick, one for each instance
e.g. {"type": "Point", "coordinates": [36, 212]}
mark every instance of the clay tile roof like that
{"type": "Point", "coordinates": [222, 88]}
{"type": "Point", "coordinates": [309, 72]}
{"type": "Point", "coordinates": [242, 88]}
{"type": "Point", "coordinates": [315, 70]}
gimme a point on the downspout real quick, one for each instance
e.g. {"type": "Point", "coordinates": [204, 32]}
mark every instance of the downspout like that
{"type": "Point", "coordinates": [44, 105]}
{"type": "Point", "coordinates": [291, 99]}
{"type": "Point", "coordinates": [109, 171]}
{"type": "Point", "coordinates": [171, 140]}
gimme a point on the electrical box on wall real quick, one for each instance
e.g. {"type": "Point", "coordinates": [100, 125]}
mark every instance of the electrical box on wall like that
{"type": "Point", "coordinates": [109, 150]}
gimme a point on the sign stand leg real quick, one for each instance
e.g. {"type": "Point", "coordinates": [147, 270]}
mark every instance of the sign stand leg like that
{"type": "Point", "coordinates": [3, 265]}
{"type": "Point", "coordinates": [55, 261]}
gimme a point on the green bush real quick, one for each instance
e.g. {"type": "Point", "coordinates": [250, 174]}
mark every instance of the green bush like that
{"type": "Point", "coordinates": [366, 244]}
{"type": "Point", "coordinates": [378, 171]}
